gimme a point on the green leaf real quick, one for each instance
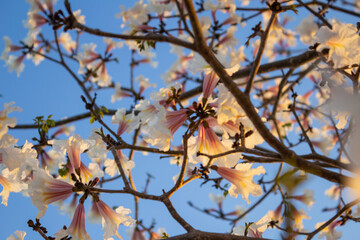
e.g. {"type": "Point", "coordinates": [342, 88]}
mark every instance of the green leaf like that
{"type": "Point", "coordinates": [164, 235]}
{"type": "Point", "coordinates": [63, 171]}
{"type": "Point", "coordinates": [104, 109]}
{"type": "Point", "coordinates": [92, 119]}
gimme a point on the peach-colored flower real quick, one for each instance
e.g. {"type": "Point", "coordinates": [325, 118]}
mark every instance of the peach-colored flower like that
{"type": "Point", "coordinates": [10, 183]}
{"type": "Point", "coordinates": [77, 227]}
{"type": "Point", "coordinates": [175, 119]}
{"type": "Point", "coordinates": [256, 229]}
{"type": "Point", "coordinates": [241, 180]}
{"type": "Point", "coordinates": [137, 235]}
{"type": "Point", "coordinates": [44, 189]}
{"type": "Point", "coordinates": [209, 142]}
{"type": "Point", "coordinates": [74, 146]}
{"type": "Point", "coordinates": [112, 219]}
{"type": "Point", "coordinates": [307, 197]}
{"type": "Point", "coordinates": [126, 122]}
{"type": "Point", "coordinates": [209, 84]}
{"type": "Point", "coordinates": [119, 93]}
{"type": "Point", "coordinates": [330, 231]}
{"type": "Point", "coordinates": [19, 235]}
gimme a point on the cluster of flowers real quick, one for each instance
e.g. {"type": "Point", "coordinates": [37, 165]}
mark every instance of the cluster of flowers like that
{"type": "Point", "coordinates": [21, 173]}
{"type": "Point", "coordinates": [213, 120]}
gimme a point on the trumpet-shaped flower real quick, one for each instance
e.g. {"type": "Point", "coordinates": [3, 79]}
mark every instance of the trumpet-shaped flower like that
{"type": "Point", "coordinates": [74, 146]}
{"type": "Point", "coordinates": [255, 229]}
{"type": "Point", "coordinates": [241, 180]}
{"type": "Point", "coordinates": [112, 219]}
{"type": "Point", "coordinates": [19, 235]}
{"type": "Point", "coordinates": [77, 227]}
{"type": "Point", "coordinates": [44, 189]}
{"type": "Point", "coordinates": [175, 119]}
{"type": "Point", "coordinates": [126, 122]}
{"type": "Point", "coordinates": [111, 168]}
{"type": "Point", "coordinates": [307, 197]}
{"type": "Point", "coordinates": [10, 183]}
{"type": "Point", "coordinates": [23, 159]}
{"type": "Point", "coordinates": [9, 47]}
{"type": "Point", "coordinates": [330, 231]}
{"type": "Point", "coordinates": [5, 121]}
{"type": "Point", "coordinates": [207, 142]}
{"type": "Point", "coordinates": [209, 84]}
{"type": "Point", "coordinates": [342, 42]}
{"type": "Point", "coordinates": [119, 93]}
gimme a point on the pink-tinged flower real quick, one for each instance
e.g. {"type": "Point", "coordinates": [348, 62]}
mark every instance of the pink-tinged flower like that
{"type": "Point", "coordinates": [77, 227]}
{"type": "Point", "coordinates": [10, 183]}
{"type": "Point", "coordinates": [209, 84]}
{"type": "Point", "coordinates": [66, 41]}
{"type": "Point", "coordinates": [127, 122]}
{"type": "Point", "coordinates": [64, 129]}
{"type": "Point", "coordinates": [112, 169]}
{"type": "Point", "coordinates": [85, 172]}
{"type": "Point", "coordinates": [298, 216]}
{"type": "Point", "coordinates": [137, 235]}
{"type": "Point", "coordinates": [255, 229]}
{"type": "Point", "coordinates": [112, 219]}
{"type": "Point", "coordinates": [24, 159]}
{"type": "Point", "coordinates": [333, 192]}
{"type": "Point", "coordinates": [276, 215]}
{"type": "Point", "coordinates": [241, 179]}
{"type": "Point", "coordinates": [9, 47]}
{"type": "Point", "coordinates": [88, 56]}
{"type": "Point", "coordinates": [119, 93]}
{"type": "Point", "coordinates": [16, 64]}
{"type": "Point", "coordinates": [175, 119]}
{"type": "Point", "coordinates": [111, 44]}
{"type": "Point", "coordinates": [307, 197]}
{"type": "Point", "coordinates": [330, 231]}
{"type": "Point", "coordinates": [342, 41]}
{"type": "Point", "coordinates": [74, 146]}
{"type": "Point", "coordinates": [5, 121]}
{"type": "Point", "coordinates": [45, 159]}
{"type": "Point", "coordinates": [144, 83]}
{"type": "Point", "coordinates": [19, 235]}
{"type": "Point", "coordinates": [35, 20]}
{"type": "Point", "coordinates": [209, 142]}
{"type": "Point", "coordinates": [44, 189]}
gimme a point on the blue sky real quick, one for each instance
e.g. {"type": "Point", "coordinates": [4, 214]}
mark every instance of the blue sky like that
{"type": "Point", "coordinates": [49, 89]}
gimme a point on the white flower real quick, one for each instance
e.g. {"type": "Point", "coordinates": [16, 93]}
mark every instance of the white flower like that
{"type": "Point", "coordinates": [5, 121]}
{"type": "Point", "coordinates": [19, 236]}
{"type": "Point", "coordinates": [44, 189]}
{"type": "Point", "coordinates": [16, 64]}
{"type": "Point", "coordinates": [111, 167]}
{"type": "Point", "coordinates": [74, 146]}
{"type": "Point", "coordinates": [307, 30]}
{"type": "Point", "coordinates": [66, 41]}
{"type": "Point", "coordinates": [241, 180]}
{"type": "Point", "coordinates": [342, 42]}
{"type": "Point", "coordinates": [10, 183]}
{"type": "Point", "coordinates": [329, 232]}
{"type": "Point", "coordinates": [126, 122]}
{"type": "Point", "coordinates": [112, 219]}
{"type": "Point", "coordinates": [255, 229]}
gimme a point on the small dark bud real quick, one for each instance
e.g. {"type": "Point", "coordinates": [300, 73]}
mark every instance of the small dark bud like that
{"type": "Point", "coordinates": [249, 133]}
